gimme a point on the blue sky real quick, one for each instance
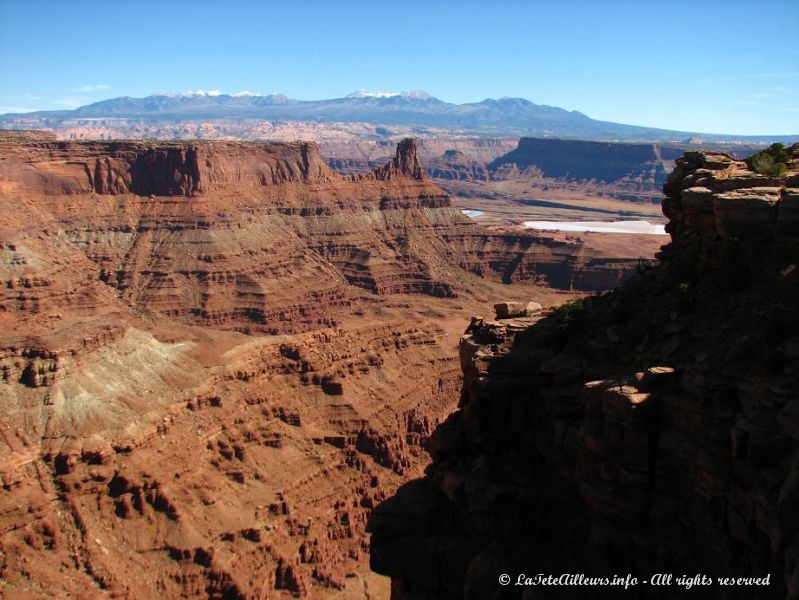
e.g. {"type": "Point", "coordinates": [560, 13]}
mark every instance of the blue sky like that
{"type": "Point", "coordinates": [719, 67]}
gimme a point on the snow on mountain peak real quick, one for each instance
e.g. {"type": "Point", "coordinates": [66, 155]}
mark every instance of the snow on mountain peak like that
{"type": "Point", "coordinates": [414, 94]}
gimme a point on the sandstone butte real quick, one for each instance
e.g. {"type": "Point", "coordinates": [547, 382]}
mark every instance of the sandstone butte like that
{"type": "Point", "coordinates": [217, 358]}
{"type": "Point", "coordinates": [652, 429]}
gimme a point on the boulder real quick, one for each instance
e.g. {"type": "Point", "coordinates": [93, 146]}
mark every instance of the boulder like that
{"type": "Point", "coordinates": [510, 310]}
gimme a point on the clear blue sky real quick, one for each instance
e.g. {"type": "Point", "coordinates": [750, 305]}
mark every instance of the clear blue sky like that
{"type": "Point", "coordinates": [720, 67]}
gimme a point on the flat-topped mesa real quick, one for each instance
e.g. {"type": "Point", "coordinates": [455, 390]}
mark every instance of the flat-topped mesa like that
{"type": "Point", "coordinates": [201, 168]}
{"type": "Point", "coordinates": [604, 162]}
{"type": "Point", "coordinates": [38, 165]}
{"type": "Point", "coordinates": [714, 200]}
{"type": "Point", "coordinates": [165, 169]}
{"type": "Point", "coordinates": [249, 236]}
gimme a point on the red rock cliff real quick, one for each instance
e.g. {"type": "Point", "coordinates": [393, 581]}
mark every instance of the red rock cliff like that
{"type": "Point", "coordinates": [255, 237]}
{"type": "Point", "coordinates": [654, 429]}
{"type": "Point", "coordinates": [164, 170]}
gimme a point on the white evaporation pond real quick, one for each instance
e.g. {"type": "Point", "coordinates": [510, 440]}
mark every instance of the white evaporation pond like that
{"type": "Point", "coordinates": [472, 213]}
{"type": "Point", "coordinates": [643, 227]}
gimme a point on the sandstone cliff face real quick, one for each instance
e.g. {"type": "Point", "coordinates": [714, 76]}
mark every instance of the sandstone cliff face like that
{"type": "Point", "coordinates": [543, 167]}
{"type": "Point", "coordinates": [455, 165]}
{"type": "Point", "coordinates": [216, 359]}
{"type": "Point", "coordinates": [267, 238]}
{"type": "Point", "coordinates": [404, 164]}
{"type": "Point", "coordinates": [650, 430]}
{"type": "Point", "coordinates": [631, 172]}
{"type": "Point", "coordinates": [601, 161]}
{"type": "Point", "coordinates": [169, 169]}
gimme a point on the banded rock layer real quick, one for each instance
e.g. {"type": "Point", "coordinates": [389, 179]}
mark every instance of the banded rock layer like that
{"type": "Point", "coordinates": [217, 358]}
{"type": "Point", "coordinates": [261, 237]}
{"type": "Point", "coordinates": [654, 429]}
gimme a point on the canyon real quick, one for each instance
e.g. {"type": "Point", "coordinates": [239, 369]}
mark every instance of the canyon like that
{"type": "Point", "coordinates": [217, 357]}
{"type": "Point", "coordinates": [512, 181]}
{"type": "Point", "coordinates": [650, 429]}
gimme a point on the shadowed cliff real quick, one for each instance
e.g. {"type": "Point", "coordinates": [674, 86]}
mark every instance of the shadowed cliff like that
{"type": "Point", "coordinates": [654, 429]}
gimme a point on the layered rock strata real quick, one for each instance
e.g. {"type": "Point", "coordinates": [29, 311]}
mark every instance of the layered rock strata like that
{"type": "Point", "coordinates": [604, 162]}
{"type": "Point", "coordinates": [537, 168]}
{"type": "Point", "coordinates": [264, 237]}
{"type": "Point", "coordinates": [654, 429]}
{"type": "Point", "coordinates": [217, 358]}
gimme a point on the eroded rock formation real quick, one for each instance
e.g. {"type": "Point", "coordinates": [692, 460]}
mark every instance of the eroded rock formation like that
{"type": "Point", "coordinates": [654, 429]}
{"type": "Point", "coordinates": [266, 237]}
{"type": "Point", "coordinates": [217, 358]}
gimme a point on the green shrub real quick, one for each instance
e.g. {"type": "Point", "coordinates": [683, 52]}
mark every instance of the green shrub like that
{"type": "Point", "coordinates": [572, 315]}
{"type": "Point", "coordinates": [772, 161]}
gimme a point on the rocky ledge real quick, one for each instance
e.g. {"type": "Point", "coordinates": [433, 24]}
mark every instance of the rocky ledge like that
{"type": "Point", "coordinates": [653, 429]}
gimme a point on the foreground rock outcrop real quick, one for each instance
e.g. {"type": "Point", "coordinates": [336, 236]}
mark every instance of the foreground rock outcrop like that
{"type": "Point", "coordinates": [654, 429]}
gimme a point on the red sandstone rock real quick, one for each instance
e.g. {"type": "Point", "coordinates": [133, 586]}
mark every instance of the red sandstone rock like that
{"type": "Point", "coordinates": [217, 358]}
{"type": "Point", "coordinates": [671, 445]}
{"type": "Point", "coordinates": [149, 445]}
{"type": "Point", "coordinates": [508, 310]}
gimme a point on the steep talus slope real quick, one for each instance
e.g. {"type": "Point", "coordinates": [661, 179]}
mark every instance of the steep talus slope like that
{"type": "Point", "coordinates": [257, 480]}
{"type": "Point", "coordinates": [654, 429]}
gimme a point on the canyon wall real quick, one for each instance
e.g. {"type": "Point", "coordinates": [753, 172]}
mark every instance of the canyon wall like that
{"type": "Point", "coordinates": [653, 429]}
{"type": "Point", "coordinates": [585, 160]}
{"type": "Point", "coordinates": [217, 358]}
{"type": "Point", "coordinates": [633, 172]}
{"type": "Point", "coordinates": [483, 150]}
{"type": "Point", "coordinates": [266, 237]}
{"type": "Point", "coordinates": [536, 167]}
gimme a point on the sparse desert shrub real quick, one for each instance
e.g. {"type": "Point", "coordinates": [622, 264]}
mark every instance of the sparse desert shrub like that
{"type": "Point", "coordinates": [773, 161]}
{"type": "Point", "coordinates": [572, 315]}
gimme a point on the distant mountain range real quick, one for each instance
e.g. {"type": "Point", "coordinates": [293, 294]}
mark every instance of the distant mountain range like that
{"type": "Point", "coordinates": [502, 117]}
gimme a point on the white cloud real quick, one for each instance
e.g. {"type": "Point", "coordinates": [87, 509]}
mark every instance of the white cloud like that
{"type": "Point", "coordinates": [95, 87]}
{"type": "Point", "coordinates": [15, 109]}
{"type": "Point", "coordinates": [71, 102]}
